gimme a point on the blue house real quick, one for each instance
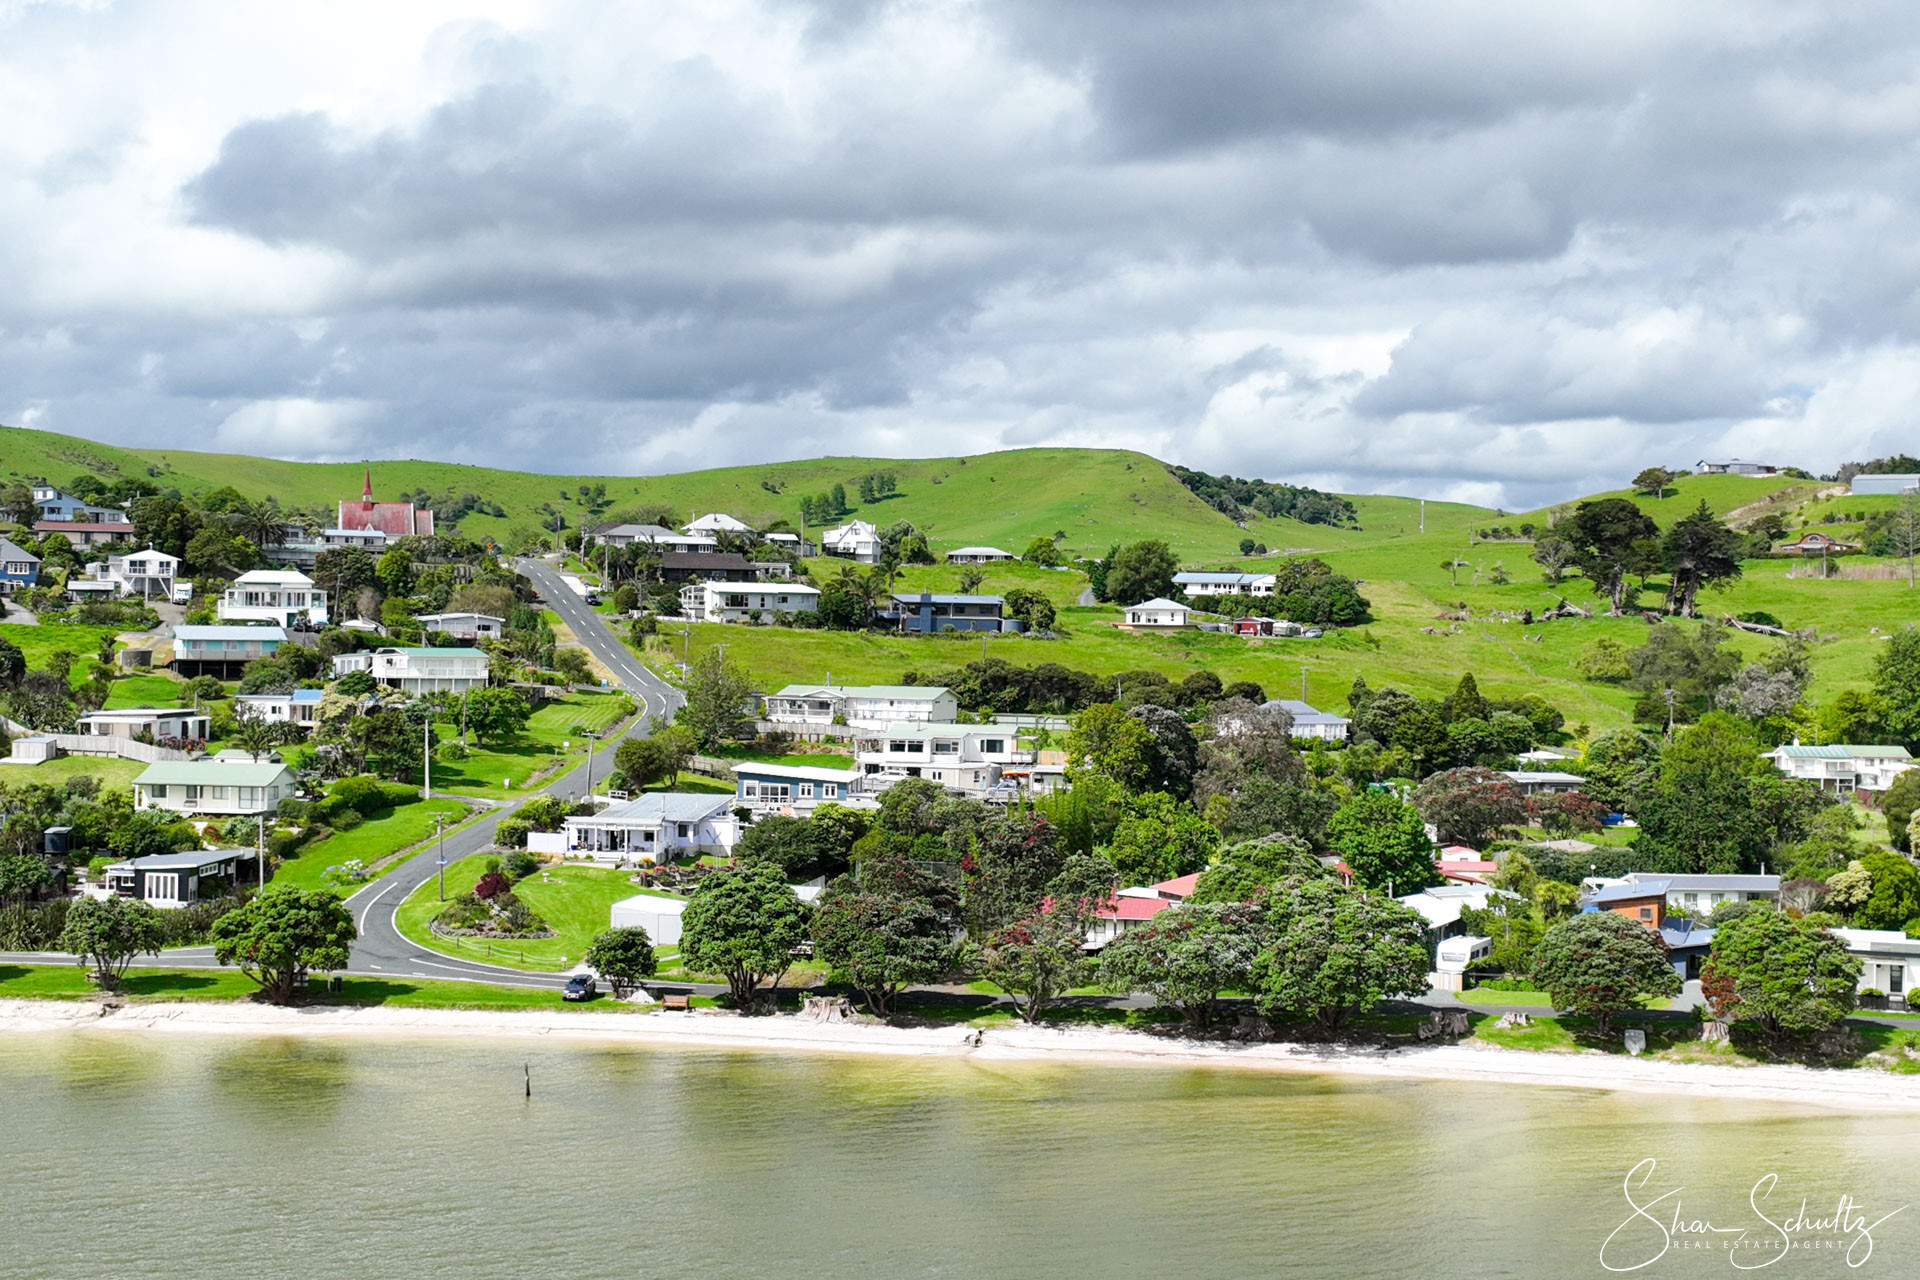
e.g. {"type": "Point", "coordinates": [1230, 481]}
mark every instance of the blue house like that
{"type": "Point", "coordinates": [55, 505]}
{"type": "Point", "coordinates": [928, 613]}
{"type": "Point", "coordinates": [793, 787]}
{"type": "Point", "coordinates": [19, 569]}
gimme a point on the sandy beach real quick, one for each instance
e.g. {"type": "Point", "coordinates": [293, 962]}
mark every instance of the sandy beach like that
{"type": "Point", "coordinates": [1843, 1090]}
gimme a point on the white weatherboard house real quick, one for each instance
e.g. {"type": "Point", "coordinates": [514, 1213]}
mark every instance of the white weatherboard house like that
{"type": "Point", "coordinates": [141, 573]}
{"type": "Point", "coordinates": [978, 555]}
{"type": "Point", "coordinates": [1201, 583]}
{"type": "Point", "coordinates": [1889, 959]}
{"type": "Point", "coordinates": [1159, 613]}
{"type": "Point", "coordinates": [1695, 895]}
{"type": "Point", "coordinates": [465, 626]}
{"type": "Point", "coordinates": [1843, 767]}
{"type": "Point", "coordinates": [655, 826]}
{"type": "Point", "coordinates": [961, 757]}
{"type": "Point", "coordinates": [872, 706]}
{"type": "Point", "coordinates": [1309, 723]}
{"type": "Point", "coordinates": [746, 601]}
{"type": "Point", "coordinates": [856, 540]}
{"type": "Point", "coordinates": [151, 724]}
{"type": "Point", "coordinates": [219, 787]}
{"type": "Point", "coordinates": [301, 707]}
{"type": "Point", "coordinates": [419, 670]}
{"type": "Point", "coordinates": [1543, 782]}
{"type": "Point", "coordinates": [285, 596]}
{"type": "Point", "coordinates": [1886, 484]}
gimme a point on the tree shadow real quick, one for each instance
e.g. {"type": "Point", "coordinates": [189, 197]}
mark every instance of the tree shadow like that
{"type": "Point", "coordinates": [162, 984]}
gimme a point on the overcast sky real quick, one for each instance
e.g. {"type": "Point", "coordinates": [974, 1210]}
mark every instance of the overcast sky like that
{"type": "Point", "coordinates": [1503, 252]}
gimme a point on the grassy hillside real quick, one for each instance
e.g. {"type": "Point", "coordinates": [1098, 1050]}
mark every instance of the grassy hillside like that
{"type": "Point", "coordinates": [1100, 497]}
{"type": "Point", "coordinates": [1094, 496]}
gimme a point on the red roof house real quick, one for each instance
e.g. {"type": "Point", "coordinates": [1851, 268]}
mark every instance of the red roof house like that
{"type": "Point", "coordinates": [395, 519]}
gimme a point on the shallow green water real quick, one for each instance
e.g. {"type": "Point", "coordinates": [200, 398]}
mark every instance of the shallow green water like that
{"type": "Point", "coordinates": [126, 1158]}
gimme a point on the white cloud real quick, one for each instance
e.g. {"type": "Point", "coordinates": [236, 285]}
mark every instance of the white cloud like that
{"type": "Point", "coordinates": [1491, 249]}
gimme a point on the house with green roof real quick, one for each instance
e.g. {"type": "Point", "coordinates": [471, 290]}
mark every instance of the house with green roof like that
{"type": "Point", "coordinates": [869, 706]}
{"type": "Point", "coordinates": [1842, 767]}
{"type": "Point", "coordinates": [229, 784]}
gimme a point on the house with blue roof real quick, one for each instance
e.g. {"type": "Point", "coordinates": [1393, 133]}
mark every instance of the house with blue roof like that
{"type": "Point", "coordinates": [1842, 767]}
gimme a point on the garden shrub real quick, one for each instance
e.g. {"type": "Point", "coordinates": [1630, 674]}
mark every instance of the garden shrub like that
{"type": "Point", "coordinates": [520, 864]}
{"type": "Point", "coordinates": [511, 833]}
{"type": "Point", "coordinates": [347, 820]}
{"type": "Point", "coordinates": [294, 810]}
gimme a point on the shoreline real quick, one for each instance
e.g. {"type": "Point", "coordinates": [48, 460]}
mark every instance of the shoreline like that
{"type": "Point", "coordinates": [1855, 1091]}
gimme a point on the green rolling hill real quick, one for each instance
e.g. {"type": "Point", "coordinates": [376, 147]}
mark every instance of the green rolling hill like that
{"type": "Point", "coordinates": [1428, 628]}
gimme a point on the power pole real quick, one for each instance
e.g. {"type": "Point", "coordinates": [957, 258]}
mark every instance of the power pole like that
{"type": "Point", "coordinates": [426, 758]}
{"type": "Point", "coordinates": [440, 853]}
{"type": "Point", "coordinates": [260, 851]}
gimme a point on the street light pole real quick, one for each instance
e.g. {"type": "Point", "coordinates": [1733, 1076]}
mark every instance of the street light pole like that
{"type": "Point", "coordinates": [260, 852]}
{"type": "Point", "coordinates": [440, 853]}
{"type": "Point", "coordinates": [590, 742]}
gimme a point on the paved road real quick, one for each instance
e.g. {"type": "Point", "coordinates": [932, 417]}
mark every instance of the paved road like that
{"type": "Point", "coordinates": [381, 950]}
{"type": "Point", "coordinates": [656, 695]}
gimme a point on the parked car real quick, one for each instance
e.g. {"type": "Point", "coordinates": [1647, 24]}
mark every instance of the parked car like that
{"type": "Point", "coordinates": [593, 597]}
{"type": "Point", "coordinates": [1311, 633]}
{"type": "Point", "coordinates": [580, 986]}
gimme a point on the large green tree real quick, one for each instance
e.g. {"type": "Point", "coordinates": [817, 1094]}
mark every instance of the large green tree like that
{"type": "Point", "coordinates": [1786, 974]}
{"type": "Point", "coordinates": [107, 933]}
{"type": "Point", "coordinates": [743, 922]}
{"type": "Point", "coordinates": [1035, 960]}
{"type": "Point", "coordinates": [284, 934]}
{"type": "Point", "coordinates": [1716, 806]}
{"type": "Point", "coordinates": [1896, 684]}
{"type": "Point", "coordinates": [718, 694]}
{"type": "Point", "coordinates": [1898, 802]}
{"type": "Point", "coordinates": [1894, 897]}
{"type": "Point", "coordinates": [1110, 743]}
{"type": "Point", "coordinates": [1604, 534]}
{"type": "Point", "coordinates": [1384, 843]}
{"type": "Point", "coordinates": [1600, 965]}
{"type": "Point", "coordinates": [1186, 956]}
{"type": "Point", "coordinates": [1470, 805]}
{"type": "Point", "coordinates": [1159, 840]}
{"type": "Point", "coordinates": [1334, 952]}
{"type": "Point", "coordinates": [1141, 571]}
{"type": "Point", "coordinates": [1699, 551]}
{"type": "Point", "coordinates": [1247, 872]}
{"type": "Point", "coordinates": [882, 941]}
{"type": "Point", "coordinates": [624, 957]}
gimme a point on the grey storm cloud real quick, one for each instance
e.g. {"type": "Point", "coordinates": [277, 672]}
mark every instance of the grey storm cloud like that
{"type": "Point", "coordinates": [1483, 249]}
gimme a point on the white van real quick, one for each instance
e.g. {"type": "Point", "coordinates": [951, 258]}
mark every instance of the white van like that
{"type": "Point", "coordinates": [183, 593]}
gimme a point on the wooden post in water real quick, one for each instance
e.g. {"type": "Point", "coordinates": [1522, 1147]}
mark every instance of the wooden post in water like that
{"type": "Point", "coordinates": [529, 1073]}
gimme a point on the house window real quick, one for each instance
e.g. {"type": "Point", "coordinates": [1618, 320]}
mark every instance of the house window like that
{"type": "Point", "coordinates": [1896, 979]}
{"type": "Point", "coordinates": [993, 746]}
{"type": "Point", "coordinates": [1646, 913]}
{"type": "Point", "coordinates": [156, 791]}
{"type": "Point", "coordinates": [162, 885]}
{"type": "Point", "coordinates": [806, 791]}
{"type": "Point", "coordinates": [946, 747]}
{"type": "Point", "coordinates": [683, 829]}
{"type": "Point", "coordinates": [830, 789]}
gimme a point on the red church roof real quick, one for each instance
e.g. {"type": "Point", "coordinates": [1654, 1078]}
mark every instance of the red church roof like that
{"type": "Point", "coordinates": [395, 519]}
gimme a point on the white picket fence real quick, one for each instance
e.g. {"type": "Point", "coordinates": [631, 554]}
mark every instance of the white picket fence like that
{"type": "Point", "coordinates": [88, 744]}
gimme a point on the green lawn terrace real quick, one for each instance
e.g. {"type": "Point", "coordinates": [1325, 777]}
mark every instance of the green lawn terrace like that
{"type": "Point", "coordinates": [573, 899]}
{"type": "Point", "coordinates": [374, 843]}
{"type": "Point", "coordinates": [551, 742]}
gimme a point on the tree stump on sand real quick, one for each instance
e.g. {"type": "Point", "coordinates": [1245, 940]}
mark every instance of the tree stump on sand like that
{"type": "Point", "coordinates": [825, 1009]}
{"type": "Point", "coordinates": [1714, 1033]}
{"type": "Point", "coordinates": [1508, 1021]}
{"type": "Point", "coordinates": [1636, 1042]}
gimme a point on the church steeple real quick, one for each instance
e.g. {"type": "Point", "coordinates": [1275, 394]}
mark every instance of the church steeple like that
{"type": "Point", "coordinates": [366, 488]}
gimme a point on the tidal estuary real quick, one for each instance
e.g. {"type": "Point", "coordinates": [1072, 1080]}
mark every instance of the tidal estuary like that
{"type": "Point", "coordinates": [285, 1157]}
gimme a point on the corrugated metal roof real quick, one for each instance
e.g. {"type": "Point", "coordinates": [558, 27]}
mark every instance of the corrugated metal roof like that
{"type": "Point", "coordinates": [1843, 751]}
{"type": "Point", "coordinates": [212, 773]}
{"type": "Point", "coordinates": [662, 806]}
{"type": "Point", "coordinates": [898, 692]}
{"type": "Point", "coordinates": [182, 631]}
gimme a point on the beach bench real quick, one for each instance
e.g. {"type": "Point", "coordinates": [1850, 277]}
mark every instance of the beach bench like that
{"type": "Point", "coordinates": [682, 1003]}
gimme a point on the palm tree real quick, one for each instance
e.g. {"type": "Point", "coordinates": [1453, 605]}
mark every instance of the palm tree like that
{"type": "Point", "coordinates": [256, 735]}
{"type": "Point", "coordinates": [261, 523]}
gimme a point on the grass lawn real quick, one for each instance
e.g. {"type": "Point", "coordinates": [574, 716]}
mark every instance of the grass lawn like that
{"type": "Point", "coordinates": [145, 691]}
{"type": "Point", "coordinates": [68, 982]}
{"type": "Point", "coordinates": [371, 841]}
{"type": "Point", "coordinates": [114, 773]}
{"type": "Point", "coordinates": [535, 754]}
{"type": "Point", "coordinates": [572, 899]}
{"type": "Point", "coordinates": [1531, 999]}
{"type": "Point", "coordinates": [37, 644]}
